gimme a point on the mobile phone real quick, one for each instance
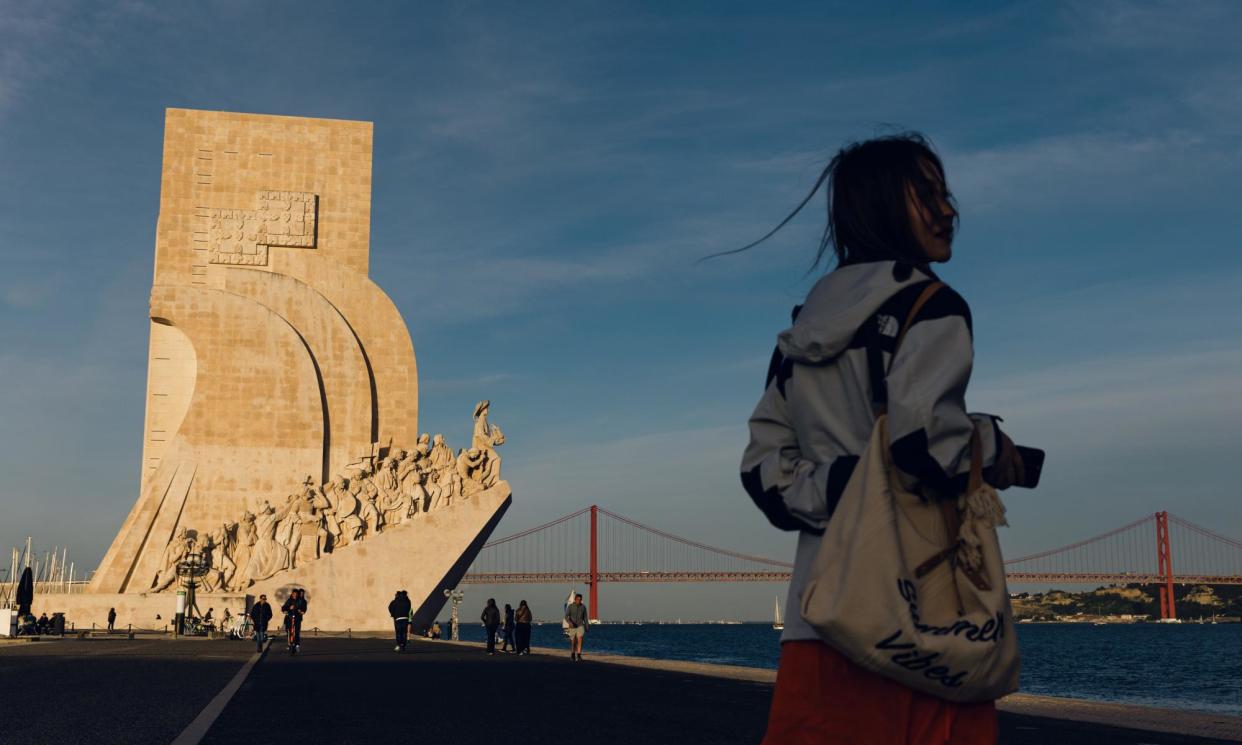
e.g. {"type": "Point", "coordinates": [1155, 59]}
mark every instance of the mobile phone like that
{"type": "Point", "coordinates": [1032, 466]}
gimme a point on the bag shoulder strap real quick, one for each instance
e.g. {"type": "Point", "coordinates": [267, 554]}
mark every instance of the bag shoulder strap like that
{"type": "Point", "coordinates": [880, 403]}
{"type": "Point", "coordinates": [919, 302]}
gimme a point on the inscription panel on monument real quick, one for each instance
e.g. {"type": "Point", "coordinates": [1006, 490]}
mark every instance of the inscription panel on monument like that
{"type": "Point", "coordinates": [242, 237]}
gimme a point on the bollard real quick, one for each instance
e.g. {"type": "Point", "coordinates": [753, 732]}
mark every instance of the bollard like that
{"type": "Point", "coordinates": [350, 632]}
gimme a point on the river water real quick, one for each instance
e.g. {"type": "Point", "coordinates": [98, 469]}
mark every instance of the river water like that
{"type": "Point", "coordinates": [1182, 666]}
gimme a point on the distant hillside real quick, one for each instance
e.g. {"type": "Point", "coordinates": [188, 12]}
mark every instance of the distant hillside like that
{"type": "Point", "coordinates": [1140, 601]}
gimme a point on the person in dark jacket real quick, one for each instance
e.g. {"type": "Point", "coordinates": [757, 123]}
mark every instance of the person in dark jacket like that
{"type": "Point", "coordinates": [508, 630]}
{"type": "Point", "coordinates": [399, 609]}
{"type": "Point", "coordinates": [522, 620]}
{"type": "Point", "coordinates": [261, 616]}
{"type": "Point", "coordinates": [111, 619]}
{"type": "Point", "coordinates": [294, 609]}
{"type": "Point", "coordinates": [491, 622]}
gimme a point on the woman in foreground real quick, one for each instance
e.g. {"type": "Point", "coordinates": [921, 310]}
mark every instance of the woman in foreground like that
{"type": "Point", "coordinates": [890, 217]}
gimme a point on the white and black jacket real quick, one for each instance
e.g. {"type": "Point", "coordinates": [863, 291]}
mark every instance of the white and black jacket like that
{"type": "Point", "coordinates": [816, 413]}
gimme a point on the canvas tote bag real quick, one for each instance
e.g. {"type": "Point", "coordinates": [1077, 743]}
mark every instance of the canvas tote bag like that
{"type": "Point", "coordinates": [914, 589]}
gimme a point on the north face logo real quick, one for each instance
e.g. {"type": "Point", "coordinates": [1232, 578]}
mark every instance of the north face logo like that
{"type": "Point", "coordinates": [887, 325]}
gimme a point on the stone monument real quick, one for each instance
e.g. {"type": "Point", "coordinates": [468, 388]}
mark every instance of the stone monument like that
{"type": "Point", "coordinates": [281, 437]}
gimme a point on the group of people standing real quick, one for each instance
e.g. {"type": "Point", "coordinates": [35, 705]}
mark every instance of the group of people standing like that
{"type": "Point", "coordinates": [513, 627]}
{"type": "Point", "coordinates": [294, 609]}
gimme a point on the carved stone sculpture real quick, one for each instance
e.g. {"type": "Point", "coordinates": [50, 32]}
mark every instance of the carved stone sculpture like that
{"type": "Point", "coordinates": [222, 542]}
{"type": "Point", "coordinates": [441, 456]}
{"type": "Point", "coordinates": [315, 521]}
{"type": "Point", "coordinates": [413, 486]}
{"type": "Point", "coordinates": [470, 466]}
{"type": "Point", "coordinates": [181, 545]}
{"type": "Point", "coordinates": [269, 555]}
{"type": "Point", "coordinates": [246, 538]}
{"type": "Point", "coordinates": [392, 501]}
{"type": "Point", "coordinates": [345, 507]}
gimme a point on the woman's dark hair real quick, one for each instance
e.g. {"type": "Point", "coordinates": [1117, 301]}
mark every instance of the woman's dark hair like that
{"type": "Point", "coordinates": [866, 193]}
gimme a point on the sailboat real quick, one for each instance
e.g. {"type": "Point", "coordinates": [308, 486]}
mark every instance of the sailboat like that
{"type": "Point", "coordinates": [564, 621]}
{"type": "Point", "coordinates": [777, 623]}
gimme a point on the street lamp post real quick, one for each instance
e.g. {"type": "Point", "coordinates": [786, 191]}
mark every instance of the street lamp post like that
{"type": "Point", "coordinates": [190, 570]}
{"type": "Point", "coordinates": [456, 596]}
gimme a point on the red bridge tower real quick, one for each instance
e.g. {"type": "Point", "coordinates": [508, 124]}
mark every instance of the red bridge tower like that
{"type": "Point", "coordinates": [1165, 558]}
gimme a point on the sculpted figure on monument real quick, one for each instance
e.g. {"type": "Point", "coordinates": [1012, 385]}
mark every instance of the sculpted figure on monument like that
{"type": "Point", "coordinates": [180, 545]}
{"type": "Point", "coordinates": [345, 505]}
{"type": "Point", "coordinates": [470, 466]}
{"type": "Point", "coordinates": [311, 531]}
{"type": "Point", "coordinates": [392, 502]}
{"type": "Point", "coordinates": [441, 456]}
{"type": "Point", "coordinates": [446, 485]}
{"type": "Point", "coordinates": [330, 531]}
{"type": "Point", "coordinates": [287, 533]}
{"type": "Point", "coordinates": [485, 435]}
{"type": "Point", "coordinates": [413, 486]}
{"type": "Point", "coordinates": [269, 556]}
{"type": "Point", "coordinates": [246, 537]}
{"type": "Point", "coordinates": [365, 492]}
{"type": "Point", "coordinates": [407, 471]}
{"type": "Point", "coordinates": [218, 555]}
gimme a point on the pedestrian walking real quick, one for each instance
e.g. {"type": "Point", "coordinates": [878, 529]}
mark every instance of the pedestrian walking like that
{"type": "Point", "coordinates": [260, 616]}
{"type": "Point", "coordinates": [294, 610]}
{"type": "Point", "coordinates": [111, 619]}
{"type": "Point", "coordinates": [877, 336]}
{"type": "Point", "coordinates": [399, 609]}
{"type": "Point", "coordinates": [491, 622]}
{"type": "Point", "coordinates": [576, 617]}
{"type": "Point", "coordinates": [522, 619]}
{"type": "Point", "coordinates": [508, 630]}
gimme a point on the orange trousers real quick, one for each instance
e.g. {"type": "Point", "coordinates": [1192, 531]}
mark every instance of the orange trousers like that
{"type": "Point", "coordinates": [821, 697]}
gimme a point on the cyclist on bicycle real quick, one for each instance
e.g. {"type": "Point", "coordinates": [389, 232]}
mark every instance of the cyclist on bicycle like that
{"type": "Point", "coordinates": [294, 609]}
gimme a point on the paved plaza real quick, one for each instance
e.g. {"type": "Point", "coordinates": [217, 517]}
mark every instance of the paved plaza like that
{"type": "Point", "coordinates": [359, 691]}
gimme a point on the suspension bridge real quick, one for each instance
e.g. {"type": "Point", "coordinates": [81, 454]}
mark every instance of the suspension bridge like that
{"type": "Point", "coordinates": [594, 545]}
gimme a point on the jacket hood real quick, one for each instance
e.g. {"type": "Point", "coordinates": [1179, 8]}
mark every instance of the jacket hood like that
{"type": "Point", "coordinates": [839, 304]}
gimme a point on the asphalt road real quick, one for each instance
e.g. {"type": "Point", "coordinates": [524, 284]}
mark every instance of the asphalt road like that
{"type": "Point", "coordinates": [360, 691]}
{"type": "Point", "coordinates": [109, 691]}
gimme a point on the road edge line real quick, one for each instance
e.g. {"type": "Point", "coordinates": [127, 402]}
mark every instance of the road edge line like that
{"type": "Point", "coordinates": [197, 729]}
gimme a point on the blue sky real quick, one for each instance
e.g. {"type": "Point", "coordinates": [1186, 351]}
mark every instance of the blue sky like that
{"type": "Point", "coordinates": [546, 175]}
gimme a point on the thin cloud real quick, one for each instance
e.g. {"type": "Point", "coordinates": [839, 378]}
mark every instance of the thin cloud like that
{"type": "Point", "coordinates": [1164, 25]}
{"type": "Point", "coordinates": [434, 385]}
{"type": "Point", "coordinates": [1103, 167]}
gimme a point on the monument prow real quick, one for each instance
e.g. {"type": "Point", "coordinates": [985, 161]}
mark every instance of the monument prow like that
{"type": "Point", "coordinates": [281, 444]}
